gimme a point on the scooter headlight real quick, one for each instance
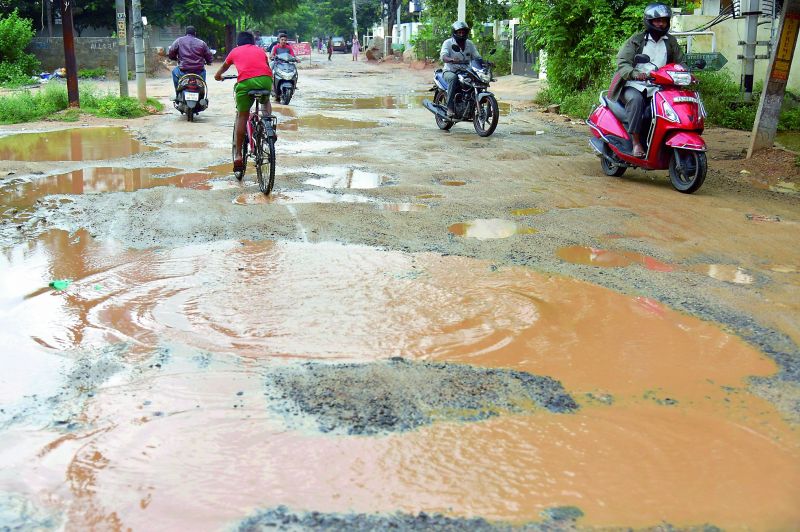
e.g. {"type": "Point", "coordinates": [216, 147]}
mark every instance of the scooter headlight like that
{"type": "Point", "coordinates": [669, 112]}
{"type": "Point", "coordinates": [680, 78]}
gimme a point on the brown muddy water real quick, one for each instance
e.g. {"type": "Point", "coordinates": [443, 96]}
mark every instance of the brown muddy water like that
{"type": "Point", "coordinates": [610, 259]}
{"type": "Point", "coordinates": [666, 431]}
{"type": "Point", "coordinates": [326, 122]}
{"type": "Point", "coordinates": [78, 144]}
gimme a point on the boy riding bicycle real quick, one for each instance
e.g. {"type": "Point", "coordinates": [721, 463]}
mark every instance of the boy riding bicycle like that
{"type": "Point", "coordinates": [252, 64]}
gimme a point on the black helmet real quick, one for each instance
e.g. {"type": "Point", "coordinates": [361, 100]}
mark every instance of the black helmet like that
{"type": "Point", "coordinates": [654, 11]}
{"type": "Point", "coordinates": [459, 25]}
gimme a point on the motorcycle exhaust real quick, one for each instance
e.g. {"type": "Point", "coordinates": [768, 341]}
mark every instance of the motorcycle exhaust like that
{"type": "Point", "coordinates": [435, 109]}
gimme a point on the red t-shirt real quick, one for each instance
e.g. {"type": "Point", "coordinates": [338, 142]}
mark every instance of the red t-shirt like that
{"type": "Point", "coordinates": [250, 62]}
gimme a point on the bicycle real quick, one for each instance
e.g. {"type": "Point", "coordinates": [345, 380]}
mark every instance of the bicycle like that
{"type": "Point", "coordinates": [259, 140]}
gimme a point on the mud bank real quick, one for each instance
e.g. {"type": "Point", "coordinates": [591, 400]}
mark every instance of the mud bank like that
{"type": "Point", "coordinates": [400, 395]}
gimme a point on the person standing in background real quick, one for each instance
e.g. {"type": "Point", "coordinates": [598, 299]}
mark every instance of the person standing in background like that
{"type": "Point", "coordinates": [356, 47]}
{"type": "Point", "coordinates": [330, 47]}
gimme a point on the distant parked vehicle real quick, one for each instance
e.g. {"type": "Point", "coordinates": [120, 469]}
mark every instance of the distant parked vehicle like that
{"type": "Point", "coordinates": [340, 44]}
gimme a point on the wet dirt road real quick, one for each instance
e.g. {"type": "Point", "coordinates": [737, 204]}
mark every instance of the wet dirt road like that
{"type": "Point", "coordinates": [417, 329]}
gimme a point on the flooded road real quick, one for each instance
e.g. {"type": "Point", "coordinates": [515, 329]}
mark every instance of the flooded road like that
{"type": "Point", "coordinates": [396, 337]}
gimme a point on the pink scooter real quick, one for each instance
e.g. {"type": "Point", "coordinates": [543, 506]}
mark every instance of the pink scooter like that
{"type": "Point", "coordinates": [671, 130]}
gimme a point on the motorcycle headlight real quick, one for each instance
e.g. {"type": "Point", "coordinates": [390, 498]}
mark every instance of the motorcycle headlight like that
{"type": "Point", "coordinates": [681, 78]}
{"type": "Point", "coordinates": [484, 75]}
{"type": "Point", "coordinates": [669, 112]}
{"type": "Point", "coordinates": [465, 80]}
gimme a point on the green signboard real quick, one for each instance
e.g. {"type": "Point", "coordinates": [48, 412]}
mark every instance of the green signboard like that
{"type": "Point", "coordinates": [714, 61]}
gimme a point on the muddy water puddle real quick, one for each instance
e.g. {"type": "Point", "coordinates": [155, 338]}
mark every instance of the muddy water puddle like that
{"type": "Point", "coordinates": [210, 324]}
{"type": "Point", "coordinates": [605, 258]}
{"type": "Point", "coordinates": [92, 181]}
{"type": "Point", "coordinates": [403, 207]}
{"type": "Point", "coordinates": [326, 122]}
{"type": "Point", "coordinates": [489, 229]}
{"type": "Point", "coordinates": [79, 144]}
{"type": "Point", "coordinates": [610, 259]}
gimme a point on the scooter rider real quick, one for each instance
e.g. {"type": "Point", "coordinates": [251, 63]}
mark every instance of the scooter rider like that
{"type": "Point", "coordinates": [662, 48]}
{"type": "Point", "coordinates": [281, 46]}
{"type": "Point", "coordinates": [456, 61]}
{"type": "Point", "coordinates": [192, 54]}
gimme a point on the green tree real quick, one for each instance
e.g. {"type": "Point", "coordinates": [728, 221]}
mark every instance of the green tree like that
{"type": "Point", "coordinates": [16, 33]}
{"type": "Point", "coordinates": [581, 37]}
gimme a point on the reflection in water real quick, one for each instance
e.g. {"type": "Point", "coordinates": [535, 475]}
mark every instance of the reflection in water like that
{"type": "Point", "coordinates": [202, 434]}
{"type": "Point", "coordinates": [527, 212]}
{"type": "Point", "coordinates": [298, 196]}
{"type": "Point", "coordinates": [80, 144]}
{"type": "Point", "coordinates": [93, 181]}
{"type": "Point", "coordinates": [610, 259]}
{"type": "Point", "coordinates": [724, 272]}
{"type": "Point", "coordinates": [345, 177]}
{"type": "Point", "coordinates": [405, 101]}
{"type": "Point", "coordinates": [488, 229]}
{"type": "Point", "coordinates": [403, 207]}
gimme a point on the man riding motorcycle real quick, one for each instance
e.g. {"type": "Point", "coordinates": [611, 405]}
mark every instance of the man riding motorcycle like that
{"type": "Point", "coordinates": [455, 62]}
{"type": "Point", "coordinates": [627, 86]}
{"type": "Point", "coordinates": [192, 54]}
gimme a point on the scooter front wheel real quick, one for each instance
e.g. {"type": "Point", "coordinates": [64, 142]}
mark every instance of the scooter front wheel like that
{"type": "Point", "coordinates": [687, 170]}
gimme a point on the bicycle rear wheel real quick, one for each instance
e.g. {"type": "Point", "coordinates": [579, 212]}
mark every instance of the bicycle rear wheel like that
{"type": "Point", "coordinates": [265, 160]}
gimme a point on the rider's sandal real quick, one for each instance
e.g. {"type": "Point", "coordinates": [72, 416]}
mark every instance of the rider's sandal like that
{"type": "Point", "coordinates": [238, 166]}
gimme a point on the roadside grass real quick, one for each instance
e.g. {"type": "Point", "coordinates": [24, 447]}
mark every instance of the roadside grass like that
{"type": "Point", "coordinates": [720, 96]}
{"type": "Point", "coordinates": [91, 73]}
{"type": "Point", "coordinates": [51, 102]}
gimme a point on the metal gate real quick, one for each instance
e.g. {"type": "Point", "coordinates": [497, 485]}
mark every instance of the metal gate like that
{"type": "Point", "coordinates": [523, 62]}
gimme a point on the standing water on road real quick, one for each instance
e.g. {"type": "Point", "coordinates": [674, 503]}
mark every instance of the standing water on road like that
{"type": "Point", "coordinates": [191, 339]}
{"type": "Point", "coordinates": [79, 144]}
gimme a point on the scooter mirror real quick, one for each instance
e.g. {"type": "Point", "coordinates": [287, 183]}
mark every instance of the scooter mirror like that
{"type": "Point", "coordinates": [456, 48]}
{"type": "Point", "coordinates": [641, 58]}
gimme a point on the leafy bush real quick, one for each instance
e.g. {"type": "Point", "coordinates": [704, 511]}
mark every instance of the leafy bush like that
{"type": "Point", "coordinates": [26, 106]}
{"type": "Point", "coordinates": [16, 65]}
{"type": "Point", "coordinates": [90, 73]}
{"type": "Point", "coordinates": [581, 37]}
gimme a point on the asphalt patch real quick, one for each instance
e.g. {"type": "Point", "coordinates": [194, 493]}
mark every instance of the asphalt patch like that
{"type": "Point", "coordinates": [398, 395]}
{"type": "Point", "coordinates": [282, 518]}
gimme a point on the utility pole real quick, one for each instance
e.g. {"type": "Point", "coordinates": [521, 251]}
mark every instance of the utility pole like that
{"type": "Point", "coordinates": [122, 49]}
{"type": "Point", "coordinates": [69, 53]}
{"type": "Point", "coordinates": [749, 57]}
{"type": "Point", "coordinates": [769, 109]}
{"type": "Point", "coordinates": [462, 9]}
{"type": "Point", "coordinates": [49, 4]}
{"type": "Point", "coordinates": [355, 20]}
{"type": "Point", "coordinates": [138, 49]}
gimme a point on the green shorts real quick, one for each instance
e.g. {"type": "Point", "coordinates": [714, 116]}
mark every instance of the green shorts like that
{"type": "Point", "coordinates": [243, 100]}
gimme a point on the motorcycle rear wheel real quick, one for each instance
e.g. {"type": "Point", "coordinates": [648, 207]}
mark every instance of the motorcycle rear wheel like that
{"type": "Point", "coordinates": [441, 99]}
{"type": "Point", "coordinates": [486, 116]}
{"type": "Point", "coordinates": [687, 170]}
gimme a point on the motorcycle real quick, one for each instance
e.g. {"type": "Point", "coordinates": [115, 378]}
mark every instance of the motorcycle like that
{"type": "Point", "coordinates": [191, 95]}
{"type": "Point", "coordinates": [472, 102]}
{"type": "Point", "coordinates": [672, 129]}
{"type": "Point", "coordinates": [284, 77]}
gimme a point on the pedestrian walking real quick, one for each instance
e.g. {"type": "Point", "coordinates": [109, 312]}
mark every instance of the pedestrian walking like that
{"type": "Point", "coordinates": [356, 47]}
{"type": "Point", "coordinates": [330, 47]}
